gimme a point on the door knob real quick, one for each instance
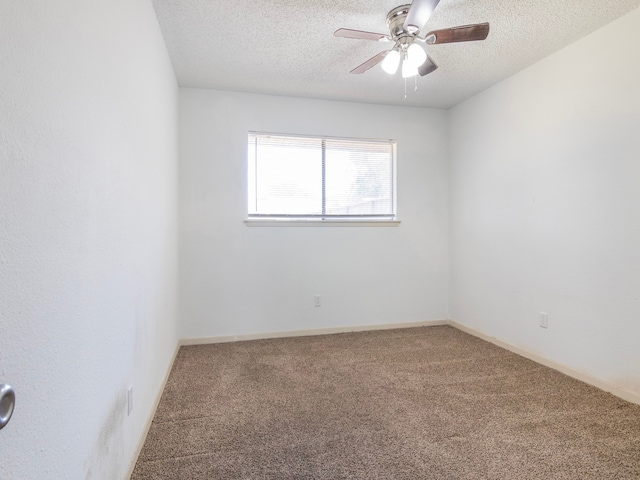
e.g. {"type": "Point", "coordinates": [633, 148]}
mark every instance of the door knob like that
{"type": "Point", "coordinates": [7, 402]}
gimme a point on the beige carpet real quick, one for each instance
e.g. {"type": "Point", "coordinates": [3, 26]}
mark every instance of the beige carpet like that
{"type": "Point", "coordinates": [420, 403]}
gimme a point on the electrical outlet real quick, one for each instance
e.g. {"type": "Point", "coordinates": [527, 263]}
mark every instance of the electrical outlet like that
{"type": "Point", "coordinates": [544, 320]}
{"type": "Point", "coordinates": [316, 299]}
{"type": "Point", "coordinates": [129, 400]}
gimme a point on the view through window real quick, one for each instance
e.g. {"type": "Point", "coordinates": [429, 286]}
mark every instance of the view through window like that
{"type": "Point", "coordinates": [320, 177]}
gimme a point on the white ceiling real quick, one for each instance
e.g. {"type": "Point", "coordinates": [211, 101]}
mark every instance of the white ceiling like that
{"type": "Point", "coordinates": [287, 47]}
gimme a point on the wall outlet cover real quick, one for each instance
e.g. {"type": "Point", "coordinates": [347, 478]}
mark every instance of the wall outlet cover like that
{"type": "Point", "coordinates": [129, 400]}
{"type": "Point", "coordinates": [544, 320]}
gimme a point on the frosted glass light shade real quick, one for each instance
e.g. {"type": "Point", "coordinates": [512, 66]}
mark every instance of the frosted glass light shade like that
{"type": "Point", "coordinates": [408, 69]}
{"type": "Point", "coordinates": [391, 62]}
{"type": "Point", "coordinates": [416, 55]}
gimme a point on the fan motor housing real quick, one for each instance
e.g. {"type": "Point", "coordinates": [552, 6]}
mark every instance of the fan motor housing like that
{"type": "Point", "coordinates": [395, 22]}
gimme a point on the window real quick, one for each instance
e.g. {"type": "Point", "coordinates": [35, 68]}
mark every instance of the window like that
{"type": "Point", "coordinates": [320, 178]}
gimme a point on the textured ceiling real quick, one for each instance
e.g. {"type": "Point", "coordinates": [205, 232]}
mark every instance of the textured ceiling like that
{"type": "Point", "coordinates": [287, 47]}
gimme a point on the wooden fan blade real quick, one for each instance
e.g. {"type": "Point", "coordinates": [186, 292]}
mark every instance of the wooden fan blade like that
{"type": "Point", "coordinates": [427, 67]}
{"type": "Point", "coordinates": [372, 62]}
{"type": "Point", "coordinates": [360, 35]}
{"type": "Point", "coordinates": [465, 33]}
{"type": "Point", "coordinates": [419, 13]}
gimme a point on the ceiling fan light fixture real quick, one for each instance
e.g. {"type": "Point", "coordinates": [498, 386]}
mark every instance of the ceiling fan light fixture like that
{"type": "Point", "coordinates": [409, 69]}
{"type": "Point", "coordinates": [404, 23]}
{"type": "Point", "coordinates": [416, 55]}
{"type": "Point", "coordinates": [391, 62]}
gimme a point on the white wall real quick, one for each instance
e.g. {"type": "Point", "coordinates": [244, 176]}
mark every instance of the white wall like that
{"type": "Point", "coordinates": [236, 279]}
{"type": "Point", "coordinates": [88, 232]}
{"type": "Point", "coordinates": [545, 207]}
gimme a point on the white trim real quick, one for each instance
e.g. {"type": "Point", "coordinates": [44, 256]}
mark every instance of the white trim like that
{"type": "Point", "coordinates": [143, 435]}
{"type": "Point", "coordinates": [305, 333]}
{"type": "Point", "coordinates": [321, 137]}
{"type": "Point", "coordinates": [272, 222]}
{"type": "Point", "coordinates": [605, 385]}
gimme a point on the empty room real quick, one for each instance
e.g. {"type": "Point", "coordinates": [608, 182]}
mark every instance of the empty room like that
{"type": "Point", "coordinates": [319, 240]}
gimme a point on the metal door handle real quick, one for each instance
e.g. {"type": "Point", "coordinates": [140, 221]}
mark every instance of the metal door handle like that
{"type": "Point", "coordinates": [7, 402]}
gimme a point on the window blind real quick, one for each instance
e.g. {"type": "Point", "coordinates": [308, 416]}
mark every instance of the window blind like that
{"type": "Point", "coordinates": [320, 177]}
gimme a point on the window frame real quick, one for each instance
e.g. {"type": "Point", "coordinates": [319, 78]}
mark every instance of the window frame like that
{"type": "Point", "coordinates": [323, 218]}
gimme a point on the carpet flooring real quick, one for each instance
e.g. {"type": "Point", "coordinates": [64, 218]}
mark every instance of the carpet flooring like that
{"type": "Point", "coordinates": [419, 403]}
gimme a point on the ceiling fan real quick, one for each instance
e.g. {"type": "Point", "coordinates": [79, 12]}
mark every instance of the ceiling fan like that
{"type": "Point", "coordinates": [404, 24]}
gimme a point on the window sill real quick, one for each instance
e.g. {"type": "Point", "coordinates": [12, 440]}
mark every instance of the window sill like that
{"type": "Point", "coordinates": [286, 222]}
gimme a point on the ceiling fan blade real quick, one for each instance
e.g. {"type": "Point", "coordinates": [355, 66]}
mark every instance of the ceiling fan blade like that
{"type": "Point", "coordinates": [427, 67]}
{"type": "Point", "coordinates": [372, 62]}
{"type": "Point", "coordinates": [465, 33]}
{"type": "Point", "coordinates": [419, 13]}
{"type": "Point", "coordinates": [360, 35]}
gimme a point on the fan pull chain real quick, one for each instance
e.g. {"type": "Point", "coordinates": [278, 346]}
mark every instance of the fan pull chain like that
{"type": "Point", "coordinates": [405, 89]}
{"type": "Point", "coordinates": [415, 78]}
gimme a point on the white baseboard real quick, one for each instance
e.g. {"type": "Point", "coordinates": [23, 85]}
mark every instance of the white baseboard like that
{"type": "Point", "coordinates": [616, 390]}
{"type": "Point", "coordinates": [306, 333]}
{"type": "Point", "coordinates": [152, 413]}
